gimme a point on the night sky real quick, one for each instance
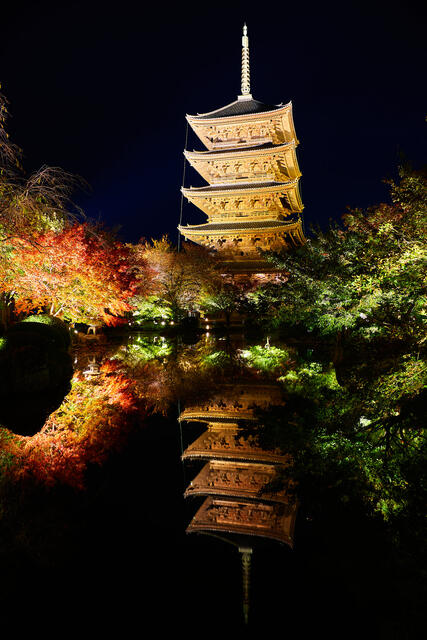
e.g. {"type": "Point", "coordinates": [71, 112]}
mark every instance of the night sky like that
{"type": "Point", "coordinates": [102, 91]}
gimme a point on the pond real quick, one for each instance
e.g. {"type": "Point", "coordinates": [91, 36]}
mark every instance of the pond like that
{"type": "Point", "coordinates": [148, 497]}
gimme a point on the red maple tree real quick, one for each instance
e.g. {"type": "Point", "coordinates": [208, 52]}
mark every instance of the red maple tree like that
{"type": "Point", "coordinates": [75, 274]}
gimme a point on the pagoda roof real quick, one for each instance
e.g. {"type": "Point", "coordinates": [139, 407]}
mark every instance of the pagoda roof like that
{"type": "Point", "coordinates": [265, 185]}
{"type": "Point", "coordinates": [240, 226]}
{"type": "Point", "coordinates": [223, 418]}
{"type": "Point", "coordinates": [236, 152]}
{"type": "Point", "coordinates": [240, 107]}
{"type": "Point", "coordinates": [234, 402]}
{"type": "Point", "coordinates": [248, 267]}
{"type": "Point", "coordinates": [281, 158]}
{"type": "Point", "coordinates": [207, 198]}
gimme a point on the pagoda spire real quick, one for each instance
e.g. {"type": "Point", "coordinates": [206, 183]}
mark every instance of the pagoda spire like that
{"type": "Point", "coordinates": [246, 78]}
{"type": "Point", "coordinates": [246, 553]}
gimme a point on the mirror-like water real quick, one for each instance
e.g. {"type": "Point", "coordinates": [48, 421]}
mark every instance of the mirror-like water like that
{"type": "Point", "coordinates": [154, 493]}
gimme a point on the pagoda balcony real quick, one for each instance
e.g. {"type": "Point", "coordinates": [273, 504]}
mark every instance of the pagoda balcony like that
{"type": "Point", "coordinates": [280, 197]}
{"type": "Point", "coordinates": [236, 479]}
{"type": "Point", "coordinates": [255, 163]}
{"type": "Point", "coordinates": [242, 517]}
{"type": "Point", "coordinates": [223, 442]}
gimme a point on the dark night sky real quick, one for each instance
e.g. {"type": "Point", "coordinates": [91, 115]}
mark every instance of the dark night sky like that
{"type": "Point", "coordinates": [103, 92]}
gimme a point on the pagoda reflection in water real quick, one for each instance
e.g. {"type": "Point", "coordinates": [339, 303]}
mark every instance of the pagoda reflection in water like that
{"type": "Point", "coordinates": [239, 507]}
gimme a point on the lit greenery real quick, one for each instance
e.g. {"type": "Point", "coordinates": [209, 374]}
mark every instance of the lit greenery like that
{"type": "Point", "coordinates": [151, 309]}
{"type": "Point", "coordinates": [367, 278]}
{"type": "Point", "coordinates": [222, 298]}
{"type": "Point", "coordinates": [217, 359]}
{"type": "Point", "coordinates": [44, 319]}
{"type": "Point", "coordinates": [354, 422]}
{"type": "Point", "coordinates": [144, 349]}
{"type": "Point", "coordinates": [265, 358]}
{"type": "Point", "coordinates": [178, 278]}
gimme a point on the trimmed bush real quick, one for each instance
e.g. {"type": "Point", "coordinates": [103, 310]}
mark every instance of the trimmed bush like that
{"type": "Point", "coordinates": [51, 329]}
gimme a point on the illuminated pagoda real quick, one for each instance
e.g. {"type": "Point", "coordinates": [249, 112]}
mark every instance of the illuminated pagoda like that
{"type": "Point", "coordinates": [252, 200]}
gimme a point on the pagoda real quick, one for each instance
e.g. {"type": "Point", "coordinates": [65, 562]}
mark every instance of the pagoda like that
{"type": "Point", "coordinates": [252, 199]}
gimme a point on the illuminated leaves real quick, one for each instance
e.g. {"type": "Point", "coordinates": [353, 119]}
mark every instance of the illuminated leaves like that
{"type": "Point", "coordinates": [179, 279]}
{"type": "Point", "coordinates": [94, 419]}
{"type": "Point", "coordinates": [74, 274]}
{"type": "Point", "coordinates": [366, 279]}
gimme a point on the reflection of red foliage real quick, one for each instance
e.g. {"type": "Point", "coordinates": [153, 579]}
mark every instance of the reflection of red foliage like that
{"type": "Point", "coordinates": [93, 420]}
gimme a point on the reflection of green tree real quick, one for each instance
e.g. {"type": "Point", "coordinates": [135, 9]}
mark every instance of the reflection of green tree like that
{"type": "Point", "coordinates": [357, 431]}
{"type": "Point", "coordinates": [361, 448]}
{"type": "Point", "coordinates": [217, 360]}
{"type": "Point", "coordinates": [265, 358]}
{"type": "Point", "coordinates": [143, 349]}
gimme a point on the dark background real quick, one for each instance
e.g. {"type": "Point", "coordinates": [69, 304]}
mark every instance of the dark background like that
{"type": "Point", "coordinates": [102, 91]}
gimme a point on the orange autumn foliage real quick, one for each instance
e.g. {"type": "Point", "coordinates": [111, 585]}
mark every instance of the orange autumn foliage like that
{"type": "Point", "coordinates": [73, 274]}
{"type": "Point", "coordinates": [94, 420]}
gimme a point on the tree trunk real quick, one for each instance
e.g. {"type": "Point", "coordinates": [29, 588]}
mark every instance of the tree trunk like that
{"type": "Point", "coordinates": [338, 357]}
{"type": "Point", "coordinates": [6, 306]}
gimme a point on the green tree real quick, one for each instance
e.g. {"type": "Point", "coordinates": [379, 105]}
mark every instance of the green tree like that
{"type": "Point", "coordinates": [365, 278]}
{"type": "Point", "coordinates": [222, 297]}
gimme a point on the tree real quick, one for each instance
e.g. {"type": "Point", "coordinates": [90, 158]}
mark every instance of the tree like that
{"type": "Point", "coordinates": [29, 205]}
{"type": "Point", "coordinates": [365, 278]}
{"type": "Point", "coordinates": [356, 431]}
{"type": "Point", "coordinates": [73, 273]}
{"type": "Point", "coordinates": [179, 278]}
{"type": "Point", "coordinates": [35, 203]}
{"type": "Point", "coordinates": [223, 298]}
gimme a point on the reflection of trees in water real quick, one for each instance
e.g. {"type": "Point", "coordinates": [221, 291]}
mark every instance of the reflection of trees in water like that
{"type": "Point", "coordinates": [114, 385]}
{"type": "Point", "coordinates": [93, 420]}
{"type": "Point", "coordinates": [232, 389]}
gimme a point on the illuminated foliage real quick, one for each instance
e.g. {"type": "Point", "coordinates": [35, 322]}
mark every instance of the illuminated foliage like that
{"type": "Point", "coordinates": [94, 420]}
{"type": "Point", "coordinates": [180, 278]}
{"type": "Point", "coordinates": [142, 349]}
{"type": "Point", "coordinates": [30, 204]}
{"type": "Point", "coordinates": [265, 358]}
{"type": "Point", "coordinates": [50, 262]}
{"type": "Point", "coordinates": [151, 309]}
{"type": "Point", "coordinates": [352, 446]}
{"type": "Point", "coordinates": [366, 278]}
{"type": "Point", "coordinates": [223, 297]}
{"type": "Point", "coordinates": [73, 273]}
{"type": "Point", "coordinates": [218, 360]}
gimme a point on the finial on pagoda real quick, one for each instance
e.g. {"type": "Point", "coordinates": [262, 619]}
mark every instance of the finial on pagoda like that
{"type": "Point", "coordinates": [246, 78]}
{"type": "Point", "coordinates": [246, 553]}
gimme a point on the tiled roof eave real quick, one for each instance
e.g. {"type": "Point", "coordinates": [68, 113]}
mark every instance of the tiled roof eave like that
{"type": "Point", "coordinates": [210, 117]}
{"type": "Point", "coordinates": [232, 228]}
{"type": "Point", "coordinates": [262, 149]}
{"type": "Point", "coordinates": [247, 187]}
